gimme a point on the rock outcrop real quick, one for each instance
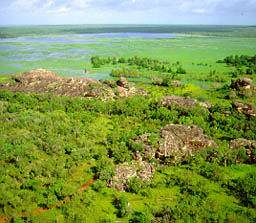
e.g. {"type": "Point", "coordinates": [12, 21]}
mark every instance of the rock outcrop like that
{"type": "Point", "coordinates": [249, 145]}
{"type": "Point", "coordinates": [126, 172]}
{"type": "Point", "coordinates": [44, 81]}
{"type": "Point", "coordinates": [171, 83]}
{"type": "Point", "coordinates": [122, 82]}
{"type": "Point", "coordinates": [241, 83]}
{"type": "Point", "coordinates": [186, 102]}
{"type": "Point", "coordinates": [179, 141]}
{"type": "Point", "coordinates": [244, 108]}
{"type": "Point", "coordinates": [243, 87]}
{"type": "Point", "coordinates": [175, 142]}
{"type": "Point", "coordinates": [148, 152]}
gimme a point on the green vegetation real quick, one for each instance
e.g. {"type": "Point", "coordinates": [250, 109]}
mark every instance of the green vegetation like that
{"type": "Point", "coordinates": [211, 30]}
{"type": "Point", "coordinates": [244, 64]}
{"type": "Point", "coordinates": [51, 146]}
{"type": "Point", "coordinates": [59, 143]}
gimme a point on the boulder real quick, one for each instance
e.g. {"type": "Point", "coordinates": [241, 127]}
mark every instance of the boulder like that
{"type": "Point", "coordinates": [125, 172]}
{"type": "Point", "coordinates": [244, 108]}
{"type": "Point", "coordinates": [241, 83]}
{"type": "Point", "coordinates": [122, 82]}
{"type": "Point", "coordinates": [179, 141]}
{"type": "Point", "coordinates": [157, 81]}
{"type": "Point", "coordinates": [249, 145]}
{"type": "Point", "coordinates": [243, 86]}
{"type": "Point", "coordinates": [175, 142]}
{"type": "Point", "coordinates": [186, 102]}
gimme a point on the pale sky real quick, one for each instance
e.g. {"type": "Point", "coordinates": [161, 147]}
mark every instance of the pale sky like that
{"type": "Point", "coordinates": [31, 12]}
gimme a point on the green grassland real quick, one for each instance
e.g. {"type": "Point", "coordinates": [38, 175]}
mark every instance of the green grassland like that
{"type": "Point", "coordinates": [50, 146]}
{"type": "Point", "coordinates": [197, 54]}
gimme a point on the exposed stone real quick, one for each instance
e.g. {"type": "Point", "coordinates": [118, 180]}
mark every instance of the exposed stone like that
{"type": "Point", "coordinates": [125, 172]}
{"type": "Point", "coordinates": [180, 141]}
{"type": "Point", "coordinates": [45, 81]}
{"type": "Point", "coordinates": [148, 151]}
{"type": "Point", "coordinates": [176, 83]}
{"type": "Point", "coordinates": [186, 102]}
{"type": "Point", "coordinates": [122, 82]}
{"type": "Point", "coordinates": [243, 86]}
{"type": "Point", "coordinates": [241, 83]}
{"type": "Point", "coordinates": [157, 81]}
{"type": "Point", "coordinates": [171, 83]}
{"type": "Point", "coordinates": [244, 108]}
{"type": "Point", "coordinates": [175, 141]}
{"type": "Point", "coordinates": [249, 145]}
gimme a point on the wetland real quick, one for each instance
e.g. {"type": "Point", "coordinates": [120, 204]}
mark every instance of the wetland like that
{"type": "Point", "coordinates": [128, 123]}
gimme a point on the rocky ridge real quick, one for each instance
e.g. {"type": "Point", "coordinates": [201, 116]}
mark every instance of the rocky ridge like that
{"type": "Point", "coordinates": [44, 81]}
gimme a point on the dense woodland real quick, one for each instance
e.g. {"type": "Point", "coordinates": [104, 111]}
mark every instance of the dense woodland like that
{"type": "Point", "coordinates": [243, 64]}
{"type": "Point", "coordinates": [51, 146]}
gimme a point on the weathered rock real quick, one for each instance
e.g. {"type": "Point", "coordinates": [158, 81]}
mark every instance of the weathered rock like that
{"type": "Point", "coordinates": [176, 142]}
{"type": "Point", "coordinates": [241, 83]}
{"type": "Point", "coordinates": [122, 82]}
{"type": "Point", "coordinates": [243, 86]}
{"type": "Point", "coordinates": [45, 81]}
{"type": "Point", "coordinates": [148, 151]}
{"type": "Point", "coordinates": [180, 141]}
{"type": "Point", "coordinates": [171, 83]}
{"type": "Point", "coordinates": [157, 81]}
{"type": "Point", "coordinates": [249, 145]}
{"type": "Point", "coordinates": [176, 83]}
{"type": "Point", "coordinates": [244, 108]}
{"type": "Point", "coordinates": [125, 172]}
{"type": "Point", "coordinates": [186, 102]}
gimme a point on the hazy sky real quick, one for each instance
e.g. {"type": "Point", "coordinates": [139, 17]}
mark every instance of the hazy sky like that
{"type": "Point", "coordinates": [128, 12]}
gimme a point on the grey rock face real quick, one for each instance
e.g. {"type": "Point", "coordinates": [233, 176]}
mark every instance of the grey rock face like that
{"type": "Point", "coordinates": [125, 172]}
{"type": "Point", "coordinates": [180, 141]}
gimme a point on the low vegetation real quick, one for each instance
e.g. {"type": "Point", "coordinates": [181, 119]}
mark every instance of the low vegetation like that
{"type": "Point", "coordinates": [149, 144]}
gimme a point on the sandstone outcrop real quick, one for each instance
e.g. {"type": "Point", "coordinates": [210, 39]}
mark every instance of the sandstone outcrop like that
{"type": "Point", "coordinates": [249, 145]}
{"type": "Point", "coordinates": [244, 108]}
{"type": "Point", "coordinates": [126, 172]}
{"type": "Point", "coordinates": [186, 102]}
{"type": "Point", "coordinates": [175, 142]}
{"type": "Point", "coordinates": [243, 87]}
{"type": "Point", "coordinates": [179, 141]}
{"type": "Point", "coordinates": [122, 82]}
{"type": "Point", "coordinates": [241, 83]}
{"type": "Point", "coordinates": [44, 81]}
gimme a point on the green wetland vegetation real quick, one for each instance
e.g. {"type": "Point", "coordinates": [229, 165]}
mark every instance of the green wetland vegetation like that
{"type": "Point", "coordinates": [51, 146]}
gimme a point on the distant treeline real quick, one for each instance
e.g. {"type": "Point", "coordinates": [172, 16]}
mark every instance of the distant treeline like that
{"type": "Point", "coordinates": [140, 63]}
{"type": "Point", "coordinates": [241, 61]}
{"type": "Point", "coordinates": [213, 30]}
